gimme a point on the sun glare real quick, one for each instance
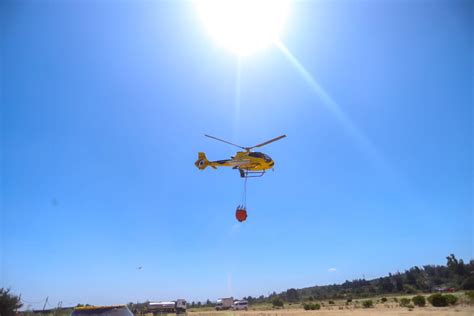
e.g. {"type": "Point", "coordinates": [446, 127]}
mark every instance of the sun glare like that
{"type": "Point", "coordinates": [244, 26]}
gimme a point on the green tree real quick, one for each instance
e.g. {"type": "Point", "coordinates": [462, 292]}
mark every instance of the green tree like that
{"type": "Point", "coordinates": [385, 285]}
{"type": "Point", "coordinates": [292, 295]}
{"type": "Point", "coordinates": [9, 303]}
{"type": "Point", "coordinates": [468, 283]}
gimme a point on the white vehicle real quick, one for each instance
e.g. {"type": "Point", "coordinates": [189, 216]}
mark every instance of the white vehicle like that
{"type": "Point", "coordinates": [224, 303]}
{"type": "Point", "coordinates": [240, 305]}
{"type": "Point", "coordinates": [178, 306]}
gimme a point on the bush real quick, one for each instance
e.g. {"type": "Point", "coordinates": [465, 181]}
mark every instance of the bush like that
{"type": "Point", "coordinates": [349, 300]}
{"type": "Point", "coordinates": [438, 300]}
{"type": "Point", "coordinates": [404, 301]}
{"type": "Point", "coordinates": [312, 307]}
{"type": "Point", "coordinates": [384, 299]}
{"type": "Point", "coordinates": [367, 304]}
{"type": "Point", "coordinates": [470, 296]}
{"type": "Point", "coordinates": [395, 300]}
{"type": "Point", "coordinates": [419, 300]}
{"type": "Point", "coordinates": [331, 302]}
{"type": "Point", "coordinates": [277, 302]}
{"type": "Point", "coordinates": [452, 299]}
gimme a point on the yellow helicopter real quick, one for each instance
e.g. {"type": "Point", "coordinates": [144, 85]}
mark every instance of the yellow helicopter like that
{"type": "Point", "coordinates": [249, 163]}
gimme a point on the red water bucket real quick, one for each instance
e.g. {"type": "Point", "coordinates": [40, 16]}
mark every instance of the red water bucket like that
{"type": "Point", "coordinates": [241, 214]}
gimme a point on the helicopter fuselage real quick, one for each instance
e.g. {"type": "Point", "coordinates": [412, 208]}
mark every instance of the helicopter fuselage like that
{"type": "Point", "coordinates": [243, 160]}
{"type": "Point", "coordinates": [251, 161]}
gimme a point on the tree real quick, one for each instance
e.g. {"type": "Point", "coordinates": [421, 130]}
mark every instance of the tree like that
{"type": "Point", "coordinates": [292, 295]}
{"type": "Point", "coordinates": [386, 285]}
{"type": "Point", "coordinates": [9, 303]}
{"type": "Point", "coordinates": [468, 284]}
{"type": "Point", "coordinates": [455, 265]}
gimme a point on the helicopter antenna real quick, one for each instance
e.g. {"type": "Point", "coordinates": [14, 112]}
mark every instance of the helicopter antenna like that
{"type": "Point", "coordinates": [224, 141]}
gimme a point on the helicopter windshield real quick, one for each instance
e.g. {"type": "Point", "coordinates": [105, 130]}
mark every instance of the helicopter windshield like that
{"type": "Point", "coordinates": [260, 155]}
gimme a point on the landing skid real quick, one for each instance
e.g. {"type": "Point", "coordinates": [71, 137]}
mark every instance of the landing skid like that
{"type": "Point", "coordinates": [251, 174]}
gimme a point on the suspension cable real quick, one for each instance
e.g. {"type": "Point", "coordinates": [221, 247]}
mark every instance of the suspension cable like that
{"type": "Point", "coordinates": [245, 193]}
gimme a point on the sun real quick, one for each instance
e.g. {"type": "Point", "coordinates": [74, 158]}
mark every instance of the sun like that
{"type": "Point", "coordinates": [244, 26]}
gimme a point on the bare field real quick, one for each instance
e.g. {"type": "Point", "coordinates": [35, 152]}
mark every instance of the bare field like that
{"type": "Point", "coordinates": [378, 310]}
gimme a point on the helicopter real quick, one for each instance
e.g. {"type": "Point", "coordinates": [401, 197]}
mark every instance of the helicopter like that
{"type": "Point", "coordinates": [249, 163]}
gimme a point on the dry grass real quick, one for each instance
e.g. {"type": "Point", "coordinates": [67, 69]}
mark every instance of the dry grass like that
{"type": "Point", "coordinates": [335, 311]}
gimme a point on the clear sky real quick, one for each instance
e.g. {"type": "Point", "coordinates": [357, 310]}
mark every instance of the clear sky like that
{"type": "Point", "coordinates": [104, 106]}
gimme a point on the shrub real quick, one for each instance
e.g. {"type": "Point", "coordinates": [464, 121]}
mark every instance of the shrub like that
{"type": "Point", "coordinates": [349, 300]}
{"type": "Point", "coordinates": [384, 299]}
{"type": "Point", "coordinates": [419, 300]}
{"type": "Point", "coordinates": [331, 302]}
{"type": "Point", "coordinates": [470, 296]}
{"type": "Point", "coordinates": [438, 300]}
{"type": "Point", "coordinates": [404, 301]}
{"type": "Point", "coordinates": [311, 307]}
{"type": "Point", "coordinates": [367, 304]}
{"type": "Point", "coordinates": [395, 300]}
{"type": "Point", "coordinates": [277, 302]}
{"type": "Point", "coordinates": [452, 299]}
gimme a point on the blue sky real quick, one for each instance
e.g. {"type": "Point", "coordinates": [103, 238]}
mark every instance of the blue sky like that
{"type": "Point", "coordinates": [104, 106]}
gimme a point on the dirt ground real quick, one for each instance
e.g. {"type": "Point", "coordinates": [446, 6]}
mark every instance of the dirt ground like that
{"type": "Point", "coordinates": [379, 310]}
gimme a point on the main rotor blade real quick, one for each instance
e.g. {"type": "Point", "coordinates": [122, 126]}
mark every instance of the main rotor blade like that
{"type": "Point", "coordinates": [267, 142]}
{"type": "Point", "coordinates": [224, 141]}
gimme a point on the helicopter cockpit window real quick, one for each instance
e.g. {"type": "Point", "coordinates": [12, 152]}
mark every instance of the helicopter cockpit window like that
{"type": "Point", "coordinates": [256, 155]}
{"type": "Point", "coordinates": [260, 155]}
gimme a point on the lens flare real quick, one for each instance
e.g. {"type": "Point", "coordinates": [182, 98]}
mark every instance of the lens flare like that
{"type": "Point", "coordinates": [244, 26]}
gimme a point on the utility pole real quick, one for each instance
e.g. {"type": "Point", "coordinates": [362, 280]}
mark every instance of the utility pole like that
{"type": "Point", "coordinates": [45, 302]}
{"type": "Point", "coordinates": [60, 304]}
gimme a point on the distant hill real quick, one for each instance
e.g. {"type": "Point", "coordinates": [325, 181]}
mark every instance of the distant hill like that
{"type": "Point", "coordinates": [429, 278]}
